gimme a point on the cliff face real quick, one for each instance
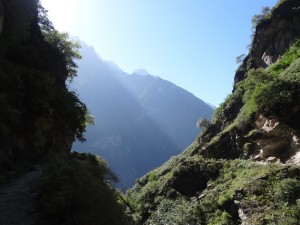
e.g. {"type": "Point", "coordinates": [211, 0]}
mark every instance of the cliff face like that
{"type": "Point", "coordinates": [38, 113]}
{"type": "Point", "coordinates": [268, 133]}
{"type": "Point", "coordinates": [243, 168]}
{"type": "Point", "coordinates": [274, 35]}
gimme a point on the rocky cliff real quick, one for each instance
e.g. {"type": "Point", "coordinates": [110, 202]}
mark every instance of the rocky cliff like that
{"type": "Point", "coordinates": [243, 167]}
{"type": "Point", "coordinates": [273, 35]}
{"type": "Point", "coordinates": [39, 114]}
{"type": "Point", "coordinates": [39, 119]}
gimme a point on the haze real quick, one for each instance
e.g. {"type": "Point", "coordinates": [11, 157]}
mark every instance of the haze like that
{"type": "Point", "coordinates": [192, 43]}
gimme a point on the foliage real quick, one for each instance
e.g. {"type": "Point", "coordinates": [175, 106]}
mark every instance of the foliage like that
{"type": "Point", "coordinates": [39, 114]}
{"type": "Point", "coordinates": [288, 191]}
{"type": "Point", "coordinates": [251, 86]}
{"type": "Point", "coordinates": [240, 58]}
{"type": "Point", "coordinates": [228, 109]}
{"type": "Point", "coordinates": [67, 49]}
{"type": "Point", "coordinates": [177, 179]}
{"type": "Point", "coordinates": [283, 93]}
{"type": "Point", "coordinates": [281, 81]}
{"type": "Point", "coordinates": [178, 211]}
{"type": "Point", "coordinates": [202, 123]}
{"type": "Point", "coordinates": [266, 191]}
{"type": "Point", "coordinates": [259, 18]}
{"type": "Point", "coordinates": [279, 2]}
{"type": "Point", "coordinates": [287, 59]}
{"type": "Point", "coordinates": [77, 189]}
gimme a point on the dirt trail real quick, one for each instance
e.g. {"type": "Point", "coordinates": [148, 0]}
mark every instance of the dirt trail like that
{"type": "Point", "coordinates": [17, 198]}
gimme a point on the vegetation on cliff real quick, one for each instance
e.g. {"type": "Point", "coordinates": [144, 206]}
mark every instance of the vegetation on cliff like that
{"type": "Point", "coordinates": [216, 180]}
{"type": "Point", "coordinates": [78, 189]}
{"type": "Point", "coordinates": [39, 114]}
{"type": "Point", "coordinates": [40, 119]}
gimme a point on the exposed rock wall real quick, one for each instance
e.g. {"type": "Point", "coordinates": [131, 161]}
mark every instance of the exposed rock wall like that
{"type": "Point", "coordinates": [272, 38]}
{"type": "Point", "coordinates": [277, 141]}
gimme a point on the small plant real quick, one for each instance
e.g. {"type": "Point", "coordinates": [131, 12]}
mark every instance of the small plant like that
{"type": "Point", "coordinates": [202, 123]}
{"type": "Point", "coordinates": [259, 18]}
{"type": "Point", "coordinates": [240, 58]}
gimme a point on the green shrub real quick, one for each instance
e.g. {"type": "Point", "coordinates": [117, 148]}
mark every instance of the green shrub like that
{"type": "Point", "coordinates": [260, 18]}
{"type": "Point", "coordinates": [179, 212]}
{"type": "Point", "coordinates": [288, 190]}
{"type": "Point", "coordinates": [77, 189]}
{"type": "Point", "coordinates": [151, 176]}
{"type": "Point", "coordinates": [228, 110]}
{"type": "Point", "coordinates": [287, 59]}
{"type": "Point", "coordinates": [284, 95]}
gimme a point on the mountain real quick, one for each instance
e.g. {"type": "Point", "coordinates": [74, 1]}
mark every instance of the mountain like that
{"type": "Point", "coordinates": [39, 120]}
{"type": "Point", "coordinates": [244, 166]}
{"type": "Point", "coordinates": [140, 120]}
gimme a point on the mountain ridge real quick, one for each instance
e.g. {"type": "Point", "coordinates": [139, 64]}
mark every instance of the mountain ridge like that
{"type": "Point", "coordinates": [141, 120]}
{"type": "Point", "coordinates": [244, 166]}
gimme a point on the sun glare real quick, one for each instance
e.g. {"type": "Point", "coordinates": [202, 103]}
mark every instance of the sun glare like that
{"type": "Point", "coordinates": [62, 12]}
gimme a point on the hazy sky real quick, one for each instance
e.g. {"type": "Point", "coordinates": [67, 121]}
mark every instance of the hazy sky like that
{"type": "Point", "coordinates": [192, 43]}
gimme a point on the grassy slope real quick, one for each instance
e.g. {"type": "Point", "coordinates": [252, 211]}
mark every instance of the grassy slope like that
{"type": "Point", "coordinates": [198, 187]}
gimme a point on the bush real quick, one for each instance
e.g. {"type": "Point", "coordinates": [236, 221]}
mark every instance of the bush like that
{"type": "Point", "coordinates": [179, 212]}
{"type": "Point", "coordinates": [287, 59]}
{"type": "Point", "coordinates": [77, 189]}
{"type": "Point", "coordinates": [288, 190]}
{"type": "Point", "coordinates": [276, 97]}
{"type": "Point", "coordinates": [259, 18]}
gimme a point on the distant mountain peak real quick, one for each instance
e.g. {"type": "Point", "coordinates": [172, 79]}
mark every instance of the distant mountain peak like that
{"type": "Point", "coordinates": [142, 72]}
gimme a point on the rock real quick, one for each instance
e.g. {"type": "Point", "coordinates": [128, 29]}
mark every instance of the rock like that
{"type": "Point", "coordinates": [260, 121]}
{"type": "Point", "coordinates": [272, 159]}
{"type": "Point", "coordinates": [243, 217]}
{"type": "Point", "coordinates": [277, 141]}
{"type": "Point", "coordinates": [272, 38]}
{"type": "Point", "coordinates": [267, 59]}
{"type": "Point", "coordinates": [201, 196]}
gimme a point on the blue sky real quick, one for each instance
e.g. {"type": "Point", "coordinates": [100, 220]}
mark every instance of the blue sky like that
{"type": "Point", "coordinates": [192, 43]}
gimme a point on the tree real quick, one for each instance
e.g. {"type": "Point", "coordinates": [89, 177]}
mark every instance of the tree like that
{"type": "Point", "coordinates": [240, 58]}
{"type": "Point", "coordinates": [202, 123]}
{"type": "Point", "coordinates": [67, 48]}
{"type": "Point", "coordinates": [258, 18]}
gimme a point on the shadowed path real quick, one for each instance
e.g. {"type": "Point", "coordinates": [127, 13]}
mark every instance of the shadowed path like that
{"type": "Point", "coordinates": [17, 198]}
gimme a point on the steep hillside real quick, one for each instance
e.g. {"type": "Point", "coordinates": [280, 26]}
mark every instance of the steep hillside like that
{"type": "Point", "coordinates": [140, 120]}
{"type": "Point", "coordinates": [39, 114]}
{"type": "Point", "coordinates": [39, 120]}
{"type": "Point", "coordinates": [175, 109]}
{"type": "Point", "coordinates": [243, 167]}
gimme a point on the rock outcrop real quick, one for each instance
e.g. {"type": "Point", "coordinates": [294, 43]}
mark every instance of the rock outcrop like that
{"type": "Point", "coordinates": [272, 38]}
{"type": "Point", "coordinates": [277, 141]}
{"type": "Point", "coordinates": [245, 164]}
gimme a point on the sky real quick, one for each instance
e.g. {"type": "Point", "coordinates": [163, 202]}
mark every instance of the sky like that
{"type": "Point", "coordinates": [191, 43]}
